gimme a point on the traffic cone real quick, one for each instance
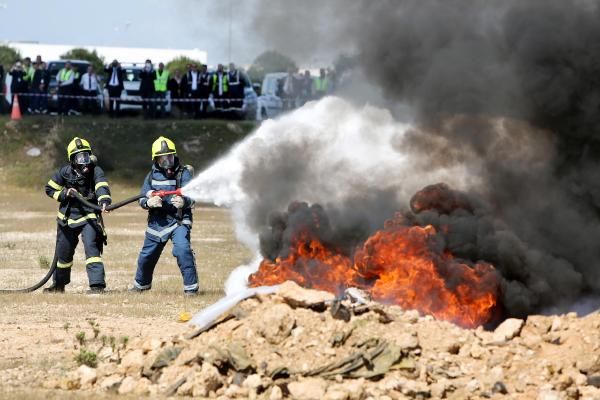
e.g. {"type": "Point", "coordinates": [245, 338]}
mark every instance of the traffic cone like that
{"type": "Point", "coordinates": [16, 109]}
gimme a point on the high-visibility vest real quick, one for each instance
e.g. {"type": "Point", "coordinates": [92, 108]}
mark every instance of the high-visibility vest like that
{"type": "Point", "coordinates": [160, 83]}
{"type": "Point", "coordinates": [65, 74]}
{"type": "Point", "coordinates": [321, 84]}
{"type": "Point", "coordinates": [224, 80]}
{"type": "Point", "coordinates": [29, 74]}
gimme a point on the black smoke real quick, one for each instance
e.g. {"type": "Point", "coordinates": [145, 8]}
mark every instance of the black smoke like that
{"type": "Point", "coordinates": [513, 88]}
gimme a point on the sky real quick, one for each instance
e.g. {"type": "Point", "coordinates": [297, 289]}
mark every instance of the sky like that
{"type": "Point", "coordinates": [187, 24]}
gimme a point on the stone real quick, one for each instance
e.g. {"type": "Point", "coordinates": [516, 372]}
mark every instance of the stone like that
{"type": "Point", "coordinates": [556, 324]}
{"type": "Point", "coordinates": [472, 386]}
{"type": "Point", "coordinates": [297, 296]}
{"type": "Point", "coordinates": [87, 376]}
{"type": "Point", "coordinates": [416, 389]}
{"type": "Point", "coordinates": [508, 330]}
{"type": "Point", "coordinates": [252, 382]}
{"type": "Point", "coordinates": [128, 385]}
{"type": "Point", "coordinates": [549, 395]}
{"type": "Point", "coordinates": [133, 361]}
{"type": "Point", "coordinates": [407, 340]}
{"type": "Point", "coordinates": [308, 389]}
{"type": "Point", "coordinates": [142, 387]}
{"type": "Point", "coordinates": [276, 324]}
{"type": "Point", "coordinates": [111, 382]}
{"type": "Point", "coordinates": [276, 393]}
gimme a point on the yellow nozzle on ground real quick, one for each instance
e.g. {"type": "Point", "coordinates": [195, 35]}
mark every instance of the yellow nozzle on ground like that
{"type": "Point", "coordinates": [184, 316]}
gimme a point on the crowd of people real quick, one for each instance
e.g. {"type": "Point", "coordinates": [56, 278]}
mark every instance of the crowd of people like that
{"type": "Point", "coordinates": [195, 92]}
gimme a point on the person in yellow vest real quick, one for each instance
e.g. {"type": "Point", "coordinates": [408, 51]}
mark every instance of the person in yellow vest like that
{"type": "Point", "coordinates": [28, 77]}
{"type": "Point", "coordinates": [65, 80]}
{"type": "Point", "coordinates": [160, 88]}
{"type": "Point", "coordinates": [321, 84]}
{"type": "Point", "coordinates": [220, 88]}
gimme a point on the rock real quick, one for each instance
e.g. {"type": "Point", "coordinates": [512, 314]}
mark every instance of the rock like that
{"type": "Point", "coordinates": [594, 380]}
{"type": "Point", "coordinates": [308, 389]}
{"type": "Point", "coordinates": [416, 389]}
{"type": "Point", "coordinates": [276, 393]}
{"type": "Point", "coordinates": [589, 393]}
{"type": "Point", "coordinates": [277, 323]}
{"type": "Point", "coordinates": [472, 386]}
{"type": "Point", "coordinates": [556, 324]}
{"type": "Point", "coordinates": [133, 361]}
{"type": "Point", "coordinates": [128, 385]}
{"type": "Point", "coordinates": [407, 340]}
{"type": "Point", "coordinates": [499, 387]}
{"type": "Point", "coordinates": [111, 382]}
{"type": "Point", "coordinates": [252, 382]}
{"type": "Point", "coordinates": [210, 377]}
{"type": "Point", "coordinates": [549, 395]}
{"type": "Point", "coordinates": [336, 392]}
{"type": "Point", "coordinates": [151, 344]}
{"type": "Point", "coordinates": [508, 329]}
{"type": "Point", "coordinates": [142, 387]}
{"type": "Point", "coordinates": [297, 296]}
{"type": "Point", "coordinates": [87, 376]}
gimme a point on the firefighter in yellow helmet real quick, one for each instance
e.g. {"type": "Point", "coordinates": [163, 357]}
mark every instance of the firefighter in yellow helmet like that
{"type": "Point", "coordinates": [168, 218]}
{"type": "Point", "coordinates": [75, 219]}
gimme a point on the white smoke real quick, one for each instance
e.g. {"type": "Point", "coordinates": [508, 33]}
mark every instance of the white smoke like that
{"type": "Point", "coordinates": [324, 152]}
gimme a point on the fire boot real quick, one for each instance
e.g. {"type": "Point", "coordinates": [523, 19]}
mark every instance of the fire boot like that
{"type": "Point", "coordinates": [55, 288]}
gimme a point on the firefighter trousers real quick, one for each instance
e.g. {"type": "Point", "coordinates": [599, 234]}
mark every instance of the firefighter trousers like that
{"type": "Point", "coordinates": [182, 250]}
{"type": "Point", "coordinates": [67, 239]}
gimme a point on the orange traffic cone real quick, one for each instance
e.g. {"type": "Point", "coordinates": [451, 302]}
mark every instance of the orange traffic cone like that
{"type": "Point", "coordinates": [16, 109]}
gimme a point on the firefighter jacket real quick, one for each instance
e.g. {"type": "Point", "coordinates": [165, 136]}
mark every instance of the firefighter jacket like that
{"type": "Point", "coordinates": [164, 220]}
{"type": "Point", "coordinates": [92, 186]}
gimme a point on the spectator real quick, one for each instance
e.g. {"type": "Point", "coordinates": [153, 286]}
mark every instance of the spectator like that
{"type": "Point", "coordinates": [220, 88]}
{"type": "Point", "coordinates": [28, 70]}
{"type": "Point", "coordinates": [205, 89]}
{"type": "Point", "coordinates": [74, 102]}
{"type": "Point", "coordinates": [89, 85]}
{"type": "Point", "coordinates": [114, 74]}
{"type": "Point", "coordinates": [65, 79]}
{"type": "Point", "coordinates": [292, 87]}
{"type": "Point", "coordinates": [307, 87]}
{"type": "Point", "coordinates": [1, 88]}
{"type": "Point", "coordinates": [160, 88]}
{"type": "Point", "coordinates": [18, 84]}
{"type": "Point", "coordinates": [236, 87]}
{"type": "Point", "coordinates": [38, 60]}
{"type": "Point", "coordinates": [177, 89]}
{"type": "Point", "coordinates": [191, 82]}
{"type": "Point", "coordinates": [39, 89]}
{"type": "Point", "coordinates": [147, 89]}
{"type": "Point", "coordinates": [332, 78]}
{"type": "Point", "coordinates": [321, 86]}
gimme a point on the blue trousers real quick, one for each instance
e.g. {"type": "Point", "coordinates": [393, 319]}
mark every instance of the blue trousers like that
{"type": "Point", "coordinates": [182, 250]}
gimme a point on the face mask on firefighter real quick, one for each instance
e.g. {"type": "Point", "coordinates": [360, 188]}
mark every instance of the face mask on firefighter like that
{"type": "Point", "coordinates": [166, 161]}
{"type": "Point", "coordinates": [82, 159]}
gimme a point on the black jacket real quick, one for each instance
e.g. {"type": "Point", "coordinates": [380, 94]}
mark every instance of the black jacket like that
{"type": "Point", "coordinates": [93, 186]}
{"type": "Point", "coordinates": [108, 71]}
{"type": "Point", "coordinates": [177, 89]}
{"type": "Point", "coordinates": [147, 83]}
{"type": "Point", "coordinates": [41, 76]}
{"type": "Point", "coordinates": [18, 84]}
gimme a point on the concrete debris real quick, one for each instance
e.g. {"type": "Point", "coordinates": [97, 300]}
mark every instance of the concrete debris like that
{"type": "Point", "coordinates": [291, 345]}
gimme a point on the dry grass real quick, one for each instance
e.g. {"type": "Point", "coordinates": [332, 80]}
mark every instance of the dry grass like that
{"type": "Point", "coordinates": [30, 324]}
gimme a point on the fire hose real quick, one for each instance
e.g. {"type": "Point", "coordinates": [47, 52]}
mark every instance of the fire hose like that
{"type": "Point", "coordinates": [82, 200]}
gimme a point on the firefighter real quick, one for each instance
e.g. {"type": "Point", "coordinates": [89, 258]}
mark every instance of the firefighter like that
{"type": "Point", "coordinates": [74, 219]}
{"type": "Point", "coordinates": [168, 218]}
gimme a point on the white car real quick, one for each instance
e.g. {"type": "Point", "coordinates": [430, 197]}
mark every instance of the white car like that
{"type": "Point", "coordinates": [270, 104]}
{"type": "Point", "coordinates": [130, 97]}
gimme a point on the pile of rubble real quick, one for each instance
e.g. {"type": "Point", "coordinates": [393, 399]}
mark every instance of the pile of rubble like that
{"type": "Point", "coordinates": [304, 344]}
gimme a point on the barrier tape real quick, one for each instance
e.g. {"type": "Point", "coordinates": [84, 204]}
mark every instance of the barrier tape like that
{"type": "Point", "coordinates": [130, 99]}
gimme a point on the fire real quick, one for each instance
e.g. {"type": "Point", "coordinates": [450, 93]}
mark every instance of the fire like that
{"type": "Point", "coordinates": [400, 264]}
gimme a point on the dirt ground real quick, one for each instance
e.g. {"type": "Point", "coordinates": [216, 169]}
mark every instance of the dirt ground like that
{"type": "Point", "coordinates": [37, 331]}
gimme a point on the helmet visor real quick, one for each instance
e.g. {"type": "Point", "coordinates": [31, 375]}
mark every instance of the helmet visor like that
{"type": "Point", "coordinates": [166, 161]}
{"type": "Point", "coordinates": [82, 158]}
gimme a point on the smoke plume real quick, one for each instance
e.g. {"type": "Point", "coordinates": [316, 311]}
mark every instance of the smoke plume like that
{"type": "Point", "coordinates": [505, 99]}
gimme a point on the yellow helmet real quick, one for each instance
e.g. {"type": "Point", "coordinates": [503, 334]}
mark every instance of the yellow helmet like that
{"type": "Point", "coordinates": [163, 146]}
{"type": "Point", "coordinates": [77, 145]}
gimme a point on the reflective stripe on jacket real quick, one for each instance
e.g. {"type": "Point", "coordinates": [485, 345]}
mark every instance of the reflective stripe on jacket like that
{"type": "Point", "coordinates": [163, 221]}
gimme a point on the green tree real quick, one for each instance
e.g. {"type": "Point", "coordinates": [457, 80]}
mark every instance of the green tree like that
{"type": "Point", "coordinates": [8, 56]}
{"type": "Point", "coordinates": [83, 54]}
{"type": "Point", "coordinates": [268, 62]}
{"type": "Point", "coordinates": [180, 63]}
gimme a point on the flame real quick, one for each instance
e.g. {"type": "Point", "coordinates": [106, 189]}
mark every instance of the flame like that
{"type": "Point", "coordinates": [400, 265]}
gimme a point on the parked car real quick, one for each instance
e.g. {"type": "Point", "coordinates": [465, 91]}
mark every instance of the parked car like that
{"type": "Point", "coordinates": [54, 67]}
{"type": "Point", "coordinates": [270, 104]}
{"type": "Point", "coordinates": [130, 97]}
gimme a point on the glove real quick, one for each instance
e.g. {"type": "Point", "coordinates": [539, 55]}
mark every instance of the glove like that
{"type": "Point", "coordinates": [71, 192]}
{"type": "Point", "coordinates": [154, 202]}
{"type": "Point", "coordinates": [178, 201]}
